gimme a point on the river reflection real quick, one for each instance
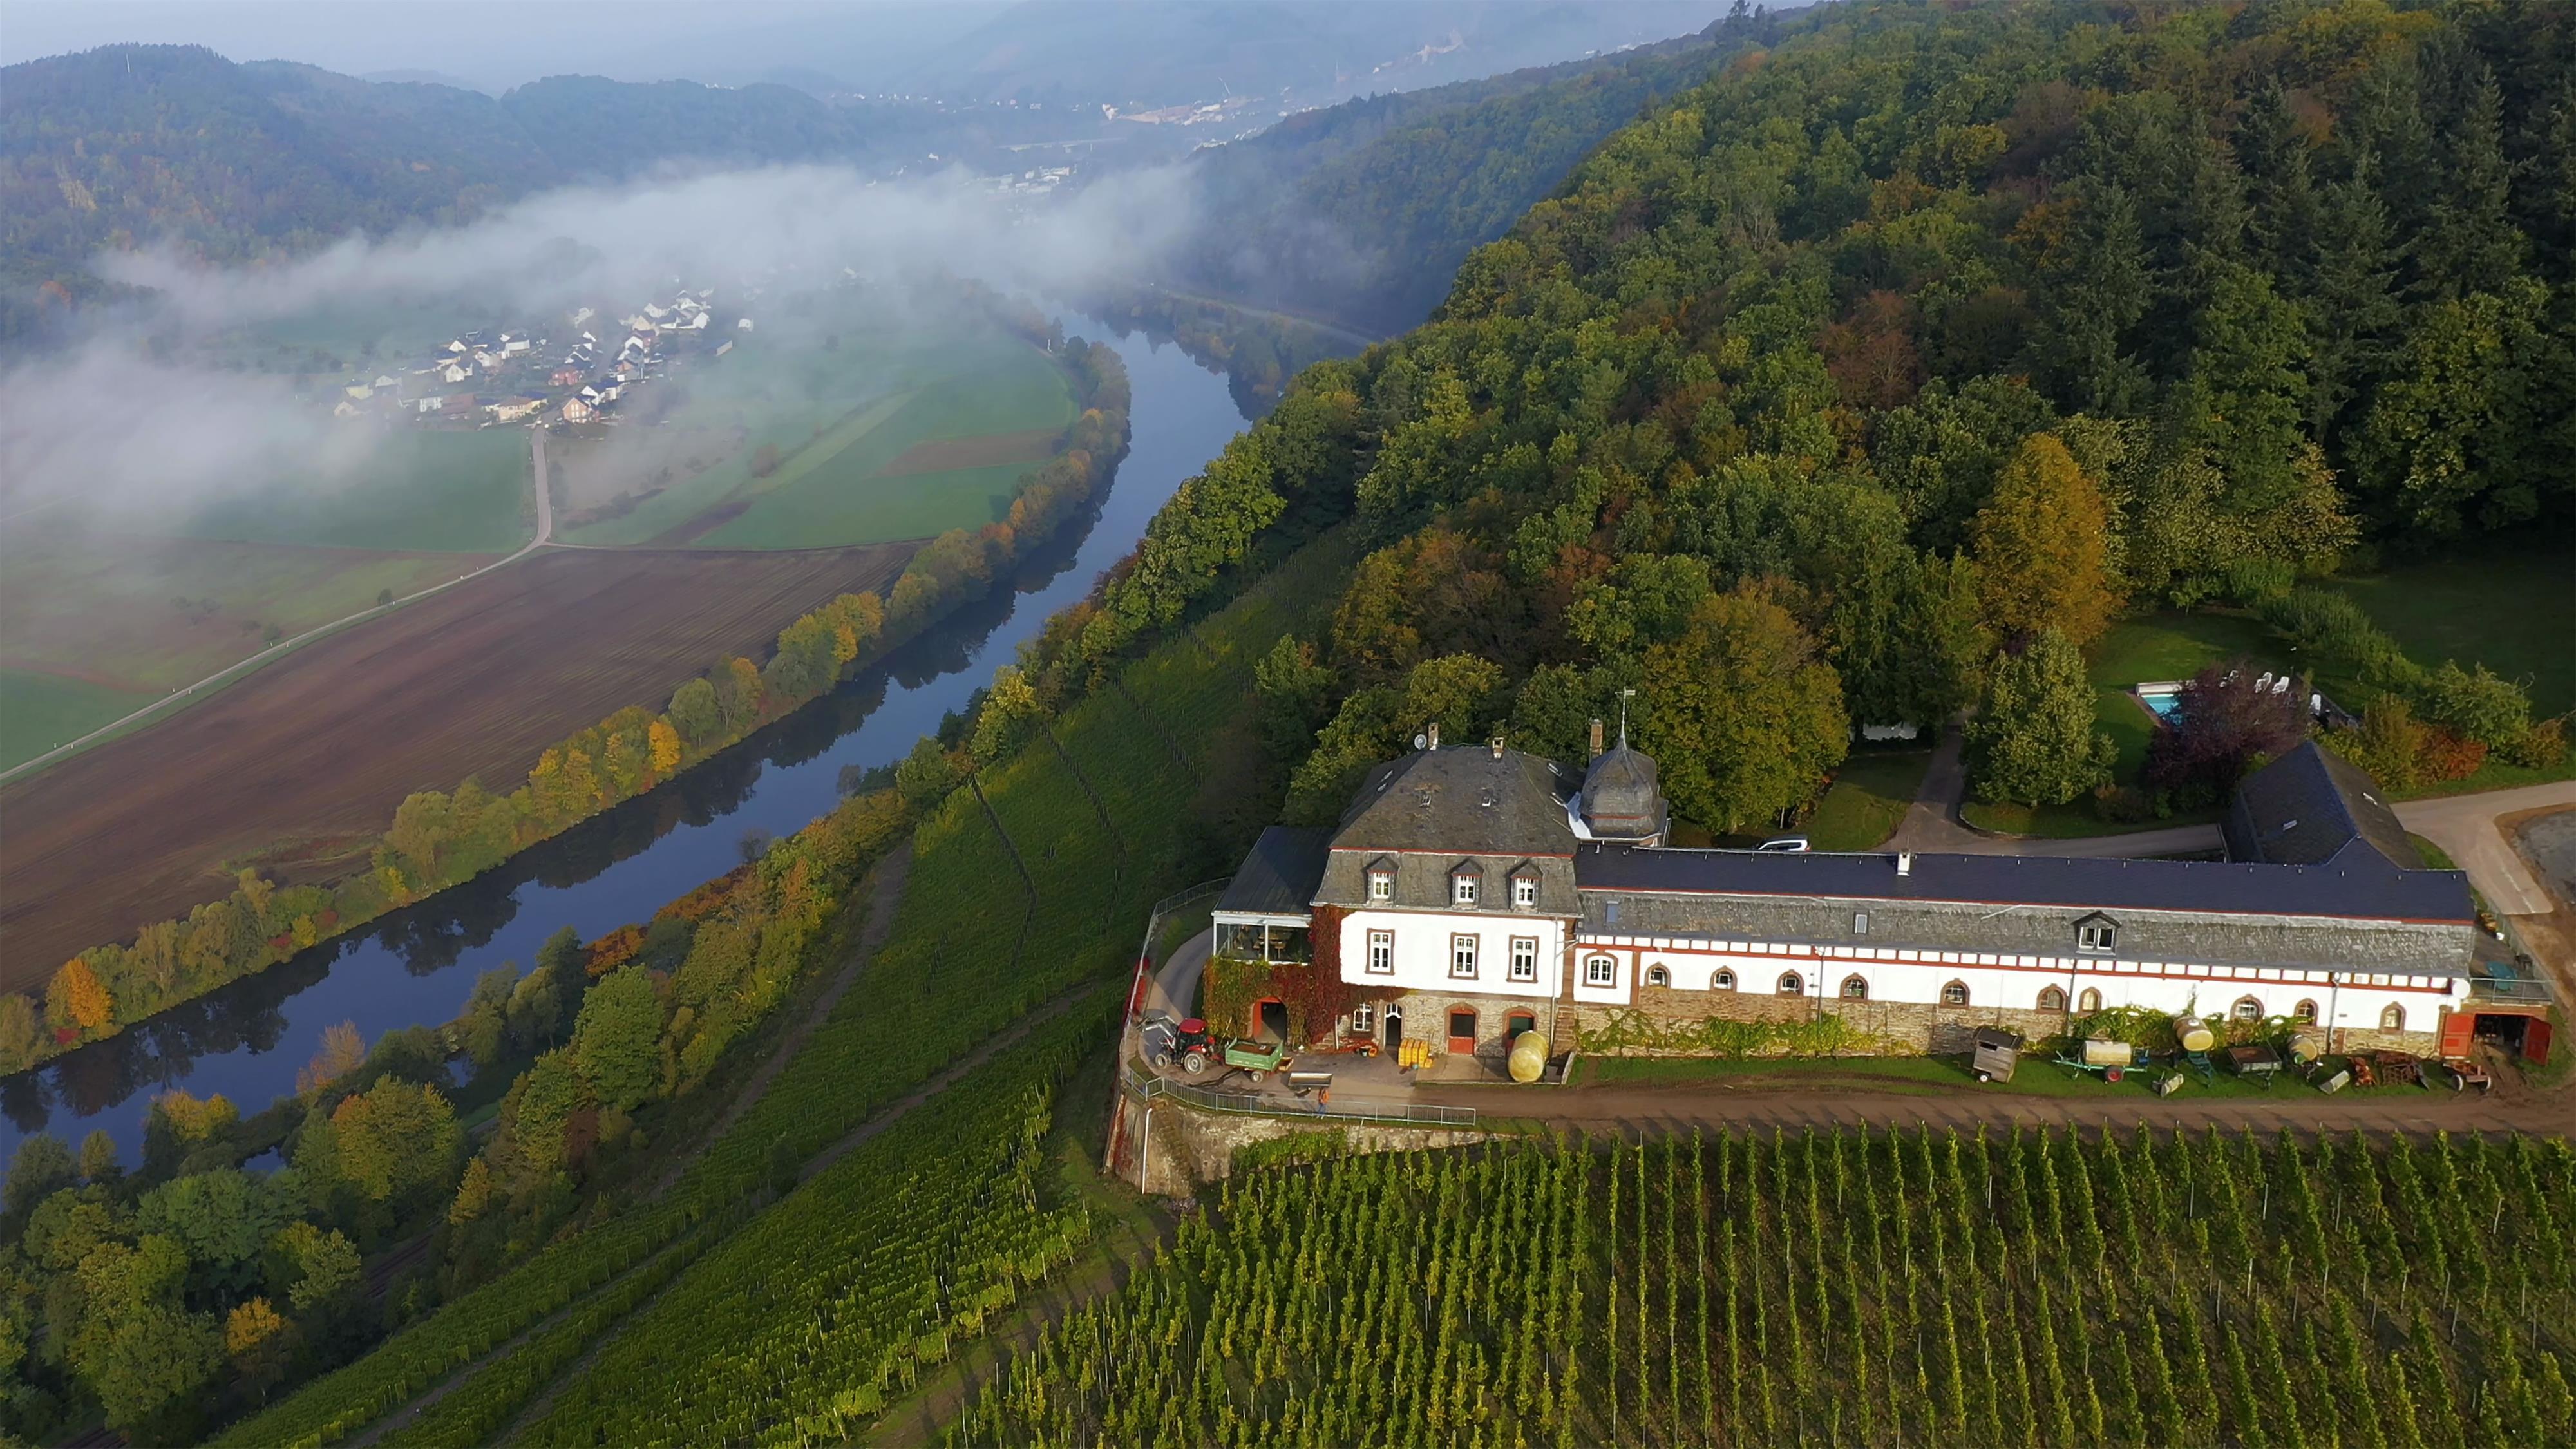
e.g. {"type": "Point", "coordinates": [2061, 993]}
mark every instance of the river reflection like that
{"type": "Point", "coordinates": [415, 965]}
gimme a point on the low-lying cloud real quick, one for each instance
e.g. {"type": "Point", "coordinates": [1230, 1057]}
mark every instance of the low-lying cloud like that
{"type": "Point", "coordinates": [136, 418]}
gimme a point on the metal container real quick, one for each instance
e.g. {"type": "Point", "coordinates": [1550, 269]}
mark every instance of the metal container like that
{"type": "Point", "coordinates": [1529, 1057]}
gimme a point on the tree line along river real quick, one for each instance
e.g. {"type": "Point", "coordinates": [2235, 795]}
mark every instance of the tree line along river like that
{"type": "Point", "coordinates": [414, 967]}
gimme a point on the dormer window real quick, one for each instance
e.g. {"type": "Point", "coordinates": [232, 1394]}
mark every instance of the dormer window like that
{"type": "Point", "coordinates": [1381, 885]}
{"type": "Point", "coordinates": [2097, 934]}
{"type": "Point", "coordinates": [1525, 890]}
{"type": "Point", "coordinates": [1462, 886]}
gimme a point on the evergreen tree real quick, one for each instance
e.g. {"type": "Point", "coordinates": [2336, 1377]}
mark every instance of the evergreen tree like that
{"type": "Point", "coordinates": [2032, 738]}
{"type": "Point", "coordinates": [2354, 314]}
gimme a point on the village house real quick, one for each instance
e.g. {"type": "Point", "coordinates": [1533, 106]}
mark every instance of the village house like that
{"type": "Point", "coordinates": [1469, 895]}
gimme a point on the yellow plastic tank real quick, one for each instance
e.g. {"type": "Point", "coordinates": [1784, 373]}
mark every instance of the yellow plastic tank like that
{"type": "Point", "coordinates": [2194, 1034]}
{"type": "Point", "coordinates": [1529, 1057]}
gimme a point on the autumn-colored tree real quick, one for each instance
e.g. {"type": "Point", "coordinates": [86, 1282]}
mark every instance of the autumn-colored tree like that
{"type": "Point", "coordinates": [1740, 713]}
{"type": "Point", "coordinates": [76, 1000]}
{"type": "Point", "coordinates": [190, 1119]}
{"type": "Point", "coordinates": [473, 1194]}
{"type": "Point", "coordinates": [20, 1030]}
{"type": "Point", "coordinates": [343, 1049]}
{"type": "Point", "coordinates": [387, 1144]}
{"type": "Point", "coordinates": [260, 1341]}
{"type": "Point", "coordinates": [666, 747]}
{"type": "Point", "coordinates": [2042, 545]}
{"type": "Point", "coordinates": [1009, 708]}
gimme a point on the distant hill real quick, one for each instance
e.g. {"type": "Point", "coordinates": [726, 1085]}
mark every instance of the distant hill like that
{"type": "Point", "coordinates": [235, 162]}
{"type": "Point", "coordinates": [1361, 212]}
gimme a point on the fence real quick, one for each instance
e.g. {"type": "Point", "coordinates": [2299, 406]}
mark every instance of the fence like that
{"type": "Point", "coordinates": [1146, 1088]}
{"type": "Point", "coordinates": [1163, 910]}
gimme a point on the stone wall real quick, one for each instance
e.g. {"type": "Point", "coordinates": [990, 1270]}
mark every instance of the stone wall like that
{"type": "Point", "coordinates": [1190, 1147]}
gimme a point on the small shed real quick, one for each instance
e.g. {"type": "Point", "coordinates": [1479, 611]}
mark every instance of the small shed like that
{"type": "Point", "coordinates": [1997, 1052]}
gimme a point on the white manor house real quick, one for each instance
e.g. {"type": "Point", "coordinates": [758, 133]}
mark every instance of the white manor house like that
{"type": "Point", "coordinates": [1471, 894]}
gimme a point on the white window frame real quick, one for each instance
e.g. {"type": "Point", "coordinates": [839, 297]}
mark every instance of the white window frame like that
{"type": "Point", "coordinates": [1525, 891]}
{"type": "Point", "coordinates": [1659, 975]}
{"type": "Point", "coordinates": [1462, 956]}
{"type": "Point", "coordinates": [1860, 923]}
{"type": "Point", "coordinates": [1524, 958]}
{"type": "Point", "coordinates": [1462, 888]}
{"type": "Point", "coordinates": [1790, 983]}
{"type": "Point", "coordinates": [2097, 938]}
{"type": "Point", "coordinates": [1600, 971]}
{"type": "Point", "coordinates": [1364, 1019]}
{"type": "Point", "coordinates": [1722, 979]}
{"type": "Point", "coordinates": [1855, 980]}
{"type": "Point", "coordinates": [1381, 953]}
{"type": "Point", "coordinates": [2236, 1009]}
{"type": "Point", "coordinates": [1381, 885]}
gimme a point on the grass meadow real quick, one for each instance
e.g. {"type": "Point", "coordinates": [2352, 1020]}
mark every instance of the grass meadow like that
{"type": "Point", "coordinates": [421, 491]}
{"type": "Point", "coordinates": [845, 425]}
{"type": "Point", "coordinates": [1868, 798]}
{"type": "Point", "coordinates": [39, 711]}
{"type": "Point", "coordinates": [2513, 610]}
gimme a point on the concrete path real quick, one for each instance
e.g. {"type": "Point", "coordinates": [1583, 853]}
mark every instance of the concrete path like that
{"type": "Point", "coordinates": [2465, 827]}
{"type": "Point", "coordinates": [1175, 987]}
{"type": "Point", "coordinates": [1933, 825]}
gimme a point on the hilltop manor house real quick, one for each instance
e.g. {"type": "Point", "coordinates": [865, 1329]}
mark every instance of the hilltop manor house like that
{"type": "Point", "coordinates": [1469, 895]}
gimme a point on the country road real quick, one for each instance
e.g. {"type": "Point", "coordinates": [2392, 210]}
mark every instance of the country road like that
{"type": "Point", "coordinates": [544, 536]}
{"type": "Point", "coordinates": [2465, 827]}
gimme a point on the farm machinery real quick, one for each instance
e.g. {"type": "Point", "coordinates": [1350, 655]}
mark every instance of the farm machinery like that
{"type": "Point", "coordinates": [1193, 1050]}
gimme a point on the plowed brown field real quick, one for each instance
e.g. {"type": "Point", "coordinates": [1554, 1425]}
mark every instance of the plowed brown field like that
{"type": "Point", "coordinates": [303, 762]}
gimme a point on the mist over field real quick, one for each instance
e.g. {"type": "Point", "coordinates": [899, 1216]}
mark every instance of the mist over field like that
{"type": "Point", "coordinates": [138, 421]}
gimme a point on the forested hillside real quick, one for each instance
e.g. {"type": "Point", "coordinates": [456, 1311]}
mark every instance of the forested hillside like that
{"type": "Point", "coordinates": [1891, 365]}
{"type": "Point", "coordinates": [1362, 211]}
{"type": "Point", "coordinates": [121, 146]}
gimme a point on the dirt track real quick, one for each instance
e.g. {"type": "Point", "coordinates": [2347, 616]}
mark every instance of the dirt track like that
{"type": "Point", "coordinates": [314, 751]}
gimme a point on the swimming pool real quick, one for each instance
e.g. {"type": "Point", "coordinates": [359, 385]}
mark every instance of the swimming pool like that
{"type": "Point", "coordinates": [2161, 700]}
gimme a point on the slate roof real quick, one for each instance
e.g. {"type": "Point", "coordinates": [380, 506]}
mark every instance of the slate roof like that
{"type": "Point", "coordinates": [1280, 875]}
{"type": "Point", "coordinates": [2362, 887]}
{"type": "Point", "coordinates": [1620, 798]}
{"type": "Point", "coordinates": [2307, 808]}
{"type": "Point", "coordinates": [1461, 802]}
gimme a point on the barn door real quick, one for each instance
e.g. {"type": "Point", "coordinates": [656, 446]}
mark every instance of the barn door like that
{"type": "Point", "coordinates": [2459, 1029]}
{"type": "Point", "coordinates": [1462, 1029]}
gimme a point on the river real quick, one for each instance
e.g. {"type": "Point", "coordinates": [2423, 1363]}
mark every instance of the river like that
{"type": "Point", "coordinates": [415, 966]}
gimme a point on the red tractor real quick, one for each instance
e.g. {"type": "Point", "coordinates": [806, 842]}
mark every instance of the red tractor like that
{"type": "Point", "coordinates": [1189, 1046]}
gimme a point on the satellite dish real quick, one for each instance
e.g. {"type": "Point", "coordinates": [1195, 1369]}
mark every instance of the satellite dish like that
{"type": "Point", "coordinates": [1421, 741]}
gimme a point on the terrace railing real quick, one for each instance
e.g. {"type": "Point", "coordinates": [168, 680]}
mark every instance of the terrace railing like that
{"type": "Point", "coordinates": [1145, 1087]}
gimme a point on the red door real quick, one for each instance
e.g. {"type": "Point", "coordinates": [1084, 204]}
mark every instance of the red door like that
{"type": "Point", "coordinates": [2459, 1029]}
{"type": "Point", "coordinates": [1462, 1030]}
{"type": "Point", "coordinates": [2535, 1042]}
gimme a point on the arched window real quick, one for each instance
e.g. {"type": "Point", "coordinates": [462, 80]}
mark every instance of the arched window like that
{"type": "Point", "coordinates": [1658, 976]}
{"type": "Point", "coordinates": [2393, 1018]}
{"type": "Point", "coordinates": [2051, 998]}
{"type": "Point", "coordinates": [1855, 988]}
{"type": "Point", "coordinates": [1792, 984]}
{"type": "Point", "coordinates": [1724, 980]}
{"type": "Point", "coordinates": [2089, 1000]}
{"type": "Point", "coordinates": [1955, 994]}
{"type": "Point", "coordinates": [2305, 1012]}
{"type": "Point", "coordinates": [2246, 1009]}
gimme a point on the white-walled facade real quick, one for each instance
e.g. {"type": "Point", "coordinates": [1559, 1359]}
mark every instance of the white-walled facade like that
{"type": "Point", "coordinates": [1489, 953]}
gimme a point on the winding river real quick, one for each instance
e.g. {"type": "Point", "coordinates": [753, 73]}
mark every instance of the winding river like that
{"type": "Point", "coordinates": [415, 966]}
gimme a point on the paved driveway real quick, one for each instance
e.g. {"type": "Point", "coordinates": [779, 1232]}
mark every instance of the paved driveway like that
{"type": "Point", "coordinates": [2465, 827]}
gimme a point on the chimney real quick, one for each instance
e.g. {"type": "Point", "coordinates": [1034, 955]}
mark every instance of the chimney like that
{"type": "Point", "coordinates": [1596, 739]}
{"type": "Point", "coordinates": [1434, 734]}
{"type": "Point", "coordinates": [1905, 862]}
{"type": "Point", "coordinates": [1498, 747]}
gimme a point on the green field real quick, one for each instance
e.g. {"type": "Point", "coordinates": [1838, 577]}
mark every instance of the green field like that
{"type": "Point", "coordinates": [1868, 799]}
{"type": "Point", "coordinates": [837, 421]}
{"type": "Point", "coordinates": [40, 711]}
{"type": "Point", "coordinates": [2512, 610]}
{"type": "Point", "coordinates": [149, 615]}
{"type": "Point", "coordinates": [421, 491]}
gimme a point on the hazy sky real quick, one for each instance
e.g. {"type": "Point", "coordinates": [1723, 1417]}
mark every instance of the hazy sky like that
{"type": "Point", "coordinates": [496, 44]}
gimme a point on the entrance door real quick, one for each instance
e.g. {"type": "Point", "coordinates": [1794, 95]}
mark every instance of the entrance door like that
{"type": "Point", "coordinates": [1391, 1026]}
{"type": "Point", "coordinates": [1462, 1029]}
{"type": "Point", "coordinates": [2457, 1029]}
{"type": "Point", "coordinates": [1518, 1022]}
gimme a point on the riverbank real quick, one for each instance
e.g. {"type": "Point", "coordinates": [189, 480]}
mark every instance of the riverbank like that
{"type": "Point", "coordinates": [416, 963]}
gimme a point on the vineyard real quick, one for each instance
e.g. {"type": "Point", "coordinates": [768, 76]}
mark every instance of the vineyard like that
{"type": "Point", "coordinates": [1843, 1288]}
{"type": "Point", "coordinates": [1095, 816]}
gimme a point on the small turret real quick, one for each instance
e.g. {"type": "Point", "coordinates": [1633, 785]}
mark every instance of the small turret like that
{"type": "Point", "coordinates": [1621, 799]}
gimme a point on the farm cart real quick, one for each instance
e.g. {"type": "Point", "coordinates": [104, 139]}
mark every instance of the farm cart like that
{"type": "Point", "coordinates": [1998, 1052]}
{"type": "Point", "coordinates": [2113, 1059]}
{"type": "Point", "coordinates": [1193, 1050]}
{"type": "Point", "coordinates": [2466, 1074]}
{"type": "Point", "coordinates": [2254, 1062]}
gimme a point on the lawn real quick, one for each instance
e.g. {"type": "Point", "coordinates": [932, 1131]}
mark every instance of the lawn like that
{"type": "Point", "coordinates": [2511, 609]}
{"type": "Point", "coordinates": [420, 491]}
{"type": "Point", "coordinates": [1868, 799]}
{"type": "Point", "coordinates": [2071, 821]}
{"type": "Point", "coordinates": [2161, 646]}
{"type": "Point", "coordinates": [39, 711]}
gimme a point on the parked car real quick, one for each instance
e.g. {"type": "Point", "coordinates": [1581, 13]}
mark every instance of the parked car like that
{"type": "Point", "coordinates": [1785, 845]}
